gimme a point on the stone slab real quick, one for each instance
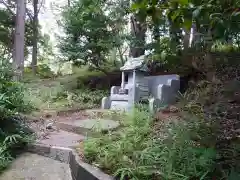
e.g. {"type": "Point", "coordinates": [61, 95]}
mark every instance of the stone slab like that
{"type": "Point", "coordinates": [79, 169]}
{"type": "Point", "coordinates": [35, 167]}
{"type": "Point", "coordinates": [119, 97]}
{"type": "Point", "coordinates": [62, 138]}
{"type": "Point", "coordinates": [94, 124]}
{"type": "Point", "coordinates": [119, 105]}
{"type": "Point", "coordinates": [102, 124]}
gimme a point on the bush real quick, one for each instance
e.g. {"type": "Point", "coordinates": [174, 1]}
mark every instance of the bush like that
{"type": "Point", "coordinates": [12, 131]}
{"type": "Point", "coordinates": [138, 152]}
{"type": "Point", "coordinates": [92, 98]}
{"type": "Point", "coordinates": [43, 71]}
{"type": "Point", "coordinates": [11, 93]}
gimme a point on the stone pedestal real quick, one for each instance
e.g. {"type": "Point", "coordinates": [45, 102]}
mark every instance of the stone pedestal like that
{"type": "Point", "coordinates": [106, 103]}
{"type": "Point", "coordinates": [154, 105]}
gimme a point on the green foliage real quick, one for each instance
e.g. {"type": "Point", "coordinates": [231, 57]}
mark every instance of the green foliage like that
{"type": "Point", "coordinates": [13, 132]}
{"type": "Point", "coordinates": [137, 152]}
{"type": "Point", "coordinates": [90, 97]}
{"type": "Point", "coordinates": [212, 20]}
{"type": "Point", "coordinates": [11, 93]}
{"type": "Point", "coordinates": [223, 47]}
{"type": "Point", "coordinates": [43, 72]}
{"type": "Point", "coordinates": [7, 25]}
{"type": "Point", "coordinates": [61, 93]}
{"type": "Point", "coordinates": [14, 135]}
{"type": "Point", "coordinates": [6, 22]}
{"type": "Point", "coordinates": [91, 32]}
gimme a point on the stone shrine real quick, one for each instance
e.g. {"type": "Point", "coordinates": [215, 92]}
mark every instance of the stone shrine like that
{"type": "Point", "coordinates": [139, 87]}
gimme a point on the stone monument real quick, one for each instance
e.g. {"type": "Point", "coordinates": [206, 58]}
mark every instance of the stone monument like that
{"type": "Point", "coordinates": [139, 87]}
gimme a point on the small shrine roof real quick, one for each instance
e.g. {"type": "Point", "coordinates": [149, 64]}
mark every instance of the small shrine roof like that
{"type": "Point", "coordinates": [138, 63]}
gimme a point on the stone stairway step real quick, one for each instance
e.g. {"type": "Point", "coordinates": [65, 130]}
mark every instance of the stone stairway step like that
{"type": "Point", "coordinates": [35, 167]}
{"type": "Point", "coordinates": [96, 111]}
{"type": "Point", "coordinates": [62, 139]}
{"type": "Point", "coordinates": [87, 126]}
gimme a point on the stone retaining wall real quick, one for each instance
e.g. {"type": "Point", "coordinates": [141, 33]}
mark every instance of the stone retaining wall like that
{"type": "Point", "coordinates": [79, 169]}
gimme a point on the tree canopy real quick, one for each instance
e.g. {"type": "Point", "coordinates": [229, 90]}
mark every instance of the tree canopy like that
{"type": "Point", "coordinates": [92, 29]}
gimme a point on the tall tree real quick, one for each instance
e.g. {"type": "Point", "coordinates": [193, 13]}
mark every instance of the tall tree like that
{"type": "Point", "coordinates": [92, 31]}
{"type": "Point", "coordinates": [138, 32]}
{"type": "Point", "coordinates": [35, 36]}
{"type": "Point", "coordinates": [18, 53]}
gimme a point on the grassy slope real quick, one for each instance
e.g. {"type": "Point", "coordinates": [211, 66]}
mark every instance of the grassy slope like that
{"type": "Point", "coordinates": [63, 92]}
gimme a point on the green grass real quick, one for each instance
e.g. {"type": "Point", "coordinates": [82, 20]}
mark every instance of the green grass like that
{"type": "Point", "coordinates": [141, 151]}
{"type": "Point", "coordinates": [62, 92]}
{"type": "Point", "coordinates": [57, 97]}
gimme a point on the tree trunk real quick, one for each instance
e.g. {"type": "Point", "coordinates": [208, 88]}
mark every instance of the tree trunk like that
{"type": "Point", "coordinates": [120, 55]}
{"type": "Point", "coordinates": [35, 37]}
{"type": "Point", "coordinates": [138, 31]}
{"type": "Point", "coordinates": [18, 53]}
{"type": "Point", "coordinates": [174, 32]}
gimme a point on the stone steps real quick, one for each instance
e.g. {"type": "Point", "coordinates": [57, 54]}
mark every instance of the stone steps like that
{"type": "Point", "coordinates": [32, 166]}
{"type": "Point", "coordinates": [62, 138]}
{"type": "Point", "coordinates": [53, 156]}
{"type": "Point", "coordinates": [88, 126]}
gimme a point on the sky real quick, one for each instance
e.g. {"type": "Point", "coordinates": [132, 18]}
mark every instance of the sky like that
{"type": "Point", "coordinates": [48, 17]}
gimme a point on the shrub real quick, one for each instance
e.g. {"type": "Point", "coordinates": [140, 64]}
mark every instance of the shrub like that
{"type": "Point", "coordinates": [13, 132]}
{"type": "Point", "coordinates": [91, 97]}
{"type": "Point", "coordinates": [138, 152]}
{"type": "Point", "coordinates": [43, 71]}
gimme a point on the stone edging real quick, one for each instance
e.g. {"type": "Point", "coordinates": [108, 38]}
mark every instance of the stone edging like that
{"type": "Point", "coordinates": [79, 169]}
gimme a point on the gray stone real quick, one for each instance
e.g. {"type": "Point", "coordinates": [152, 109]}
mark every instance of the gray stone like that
{"type": "Point", "coordinates": [60, 154]}
{"type": "Point", "coordinates": [139, 88]}
{"type": "Point", "coordinates": [115, 89]}
{"type": "Point", "coordinates": [39, 149]}
{"type": "Point", "coordinates": [118, 97]}
{"type": "Point", "coordinates": [81, 170]}
{"type": "Point", "coordinates": [49, 125]}
{"type": "Point", "coordinates": [135, 63]}
{"type": "Point", "coordinates": [34, 167]}
{"type": "Point", "coordinates": [154, 104]}
{"type": "Point", "coordinates": [95, 124]}
{"type": "Point", "coordinates": [106, 103]}
{"type": "Point", "coordinates": [119, 105]}
{"type": "Point", "coordinates": [62, 138]}
{"type": "Point", "coordinates": [88, 127]}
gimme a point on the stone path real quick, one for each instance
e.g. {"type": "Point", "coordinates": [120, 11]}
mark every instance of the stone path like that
{"type": "Point", "coordinates": [67, 131]}
{"type": "Point", "coordinates": [34, 167]}
{"type": "Point", "coordinates": [62, 139]}
{"type": "Point", "coordinates": [88, 126]}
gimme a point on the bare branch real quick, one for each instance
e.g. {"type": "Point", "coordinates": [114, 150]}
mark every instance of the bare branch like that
{"type": "Point", "coordinates": [13, 13]}
{"type": "Point", "coordinates": [29, 14]}
{"type": "Point", "coordinates": [40, 6]}
{"type": "Point", "coordinates": [7, 6]}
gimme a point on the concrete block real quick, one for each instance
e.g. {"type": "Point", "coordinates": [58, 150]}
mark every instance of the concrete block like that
{"type": "Point", "coordinates": [60, 154]}
{"type": "Point", "coordinates": [115, 89]}
{"type": "Point", "coordinates": [154, 104]}
{"type": "Point", "coordinates": [106, 103]}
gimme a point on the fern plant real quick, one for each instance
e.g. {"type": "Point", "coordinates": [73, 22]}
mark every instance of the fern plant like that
{"type": "Point", "coordinates": [136, 152]}
{"type": "Point", "coordinates": [13, 132]}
